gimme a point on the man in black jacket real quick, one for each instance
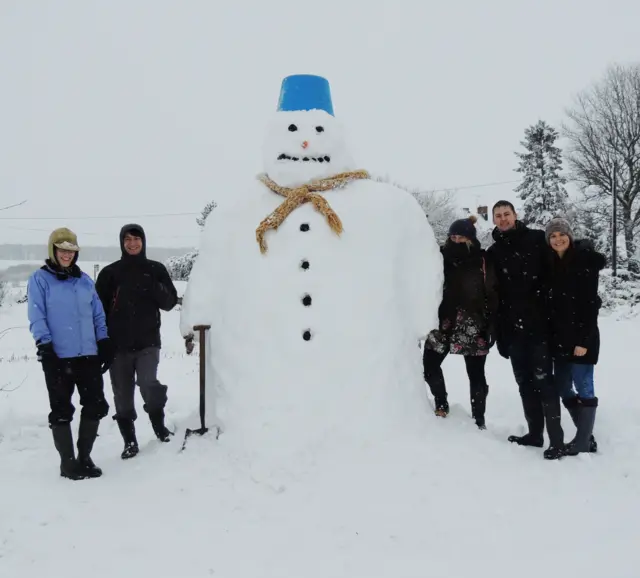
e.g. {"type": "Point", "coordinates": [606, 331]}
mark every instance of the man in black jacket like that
{"type": "Point", "coordinates": [132, 291]}
{"type": "Point", "coordinates": [519, 258]}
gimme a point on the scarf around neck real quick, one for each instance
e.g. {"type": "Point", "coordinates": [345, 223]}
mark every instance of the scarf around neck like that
{"type": "Point", "coordinates": [295, 197]}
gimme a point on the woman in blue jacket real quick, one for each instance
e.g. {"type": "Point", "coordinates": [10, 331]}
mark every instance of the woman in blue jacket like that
{"type": "Point", "coordinates": [68, 324]}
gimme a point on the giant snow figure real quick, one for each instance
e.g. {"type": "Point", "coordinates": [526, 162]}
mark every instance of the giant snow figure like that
{"type": "Point", "coordinates": [318, 283]}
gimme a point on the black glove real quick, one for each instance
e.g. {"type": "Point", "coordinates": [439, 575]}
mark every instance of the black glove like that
{"type": "Point", "coordinates": [188, 344]}
{"type": "Point", "coordinates": [491, 336]}
{"type": "Point", "coordinates": [46, 353]}
{"type": "Point", "coordinates": [106, 354]}
{"type": "Point", "coordinates": [503, 348]}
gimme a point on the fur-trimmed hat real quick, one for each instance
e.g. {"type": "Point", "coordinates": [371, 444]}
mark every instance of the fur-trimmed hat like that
{"type": "Point", "coordinates": [558, 225]}
{"type": "Point", "coordinates": [65, 239]}
{"type": "Point", "coordinates": [464, 227]}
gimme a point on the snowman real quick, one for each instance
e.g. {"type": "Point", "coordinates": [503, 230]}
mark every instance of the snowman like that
{"type": "Point", "coordinates": [318, 284]}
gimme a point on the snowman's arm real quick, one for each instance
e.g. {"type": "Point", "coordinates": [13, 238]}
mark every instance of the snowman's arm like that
{"type": "Point", "coordinates": [197, 302]}
{"type": "Point", "coordinates": [423, 274]}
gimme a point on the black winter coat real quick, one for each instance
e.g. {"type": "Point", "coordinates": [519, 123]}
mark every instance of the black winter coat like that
{"type": "Point", "coordinates": [574, 303]}
{"type": "Point", "coordinates": [469, 302]}
{"type": "Point", "coordinates": [132, 291]}
{"type": "Point", "coordinates": [520, 260]}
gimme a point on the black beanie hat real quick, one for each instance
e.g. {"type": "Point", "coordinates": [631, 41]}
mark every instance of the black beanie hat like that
{"type": "Point", "coordinates": [464, 228]}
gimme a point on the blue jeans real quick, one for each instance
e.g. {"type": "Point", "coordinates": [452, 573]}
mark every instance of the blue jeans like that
{"type": "Point", "coordinates": [569, 375]}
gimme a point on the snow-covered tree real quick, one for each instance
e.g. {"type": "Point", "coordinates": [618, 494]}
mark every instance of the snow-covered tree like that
{"type": "Point", "coordinates": [201, 220]}
{"type": "Point", "coordinates": [542, 187]}
{"type": "Point", "coordinates": [591, 218]}
{"type": "Point", "coordinates": [438, 206]}
{"type": "Point", "coordinates": [604, 145]}
{"type": "Point", "coordinates": [180, 267]}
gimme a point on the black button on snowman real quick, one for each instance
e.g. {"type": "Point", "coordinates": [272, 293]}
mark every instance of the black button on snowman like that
{"type": "Point", "coordinates": [306, 300]}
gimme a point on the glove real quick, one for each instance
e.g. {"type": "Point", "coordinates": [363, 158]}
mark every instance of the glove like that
{"type": "Point", "coordinates": [503, 349]}
{"type": "Point", "coordinates": [106, 354]}
{"type": "Point", "coordinates": [491, 336]}
{"type": "Point", "coordinates": [188, 344]}
{"type": "Point", "coordinates": [46, 353]}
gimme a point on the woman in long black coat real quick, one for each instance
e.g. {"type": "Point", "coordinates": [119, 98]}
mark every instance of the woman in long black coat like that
{"type": "Point", "coordinates": [469, 304]}
{"type": "Point", "coordinates": [574, 305]}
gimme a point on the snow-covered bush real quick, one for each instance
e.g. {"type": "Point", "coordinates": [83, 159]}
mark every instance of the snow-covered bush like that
{"type": "Point", "coordinates": [4, 291]}
{"type": "Point", "coordinates": [620, 294]}
{"type": "Point", "coordinates": [180, 267]}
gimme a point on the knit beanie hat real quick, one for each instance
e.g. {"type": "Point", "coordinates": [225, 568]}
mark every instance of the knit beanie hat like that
{"type": "Point", "coordinates": [464, 228]}
{"type": "Point", "coordinates": [62, 239]}
{"type": "Point", "coordinates": [558, 225]}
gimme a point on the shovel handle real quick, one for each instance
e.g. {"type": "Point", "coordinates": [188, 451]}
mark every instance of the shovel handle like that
{"type": "Point", "coordinates": [202, 329]}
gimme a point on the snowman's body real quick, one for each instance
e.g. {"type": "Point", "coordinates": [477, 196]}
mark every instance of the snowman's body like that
{"type": "Point", "coordinates": [319, 336]}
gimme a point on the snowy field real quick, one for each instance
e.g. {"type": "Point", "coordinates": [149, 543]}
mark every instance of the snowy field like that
{"type": "Point", "coordinates": [466, 503]}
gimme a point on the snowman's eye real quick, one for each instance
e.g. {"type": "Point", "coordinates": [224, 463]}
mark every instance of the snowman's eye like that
{"type": "Point", "coordinates": [319, 129]}
{"type": "Point", "coordinates": [293, 128]}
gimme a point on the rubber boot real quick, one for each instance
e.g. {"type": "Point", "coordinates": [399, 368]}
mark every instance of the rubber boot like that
{"type": "Point", "coordinates": [586, 421]}
{"type": "Point", "coordinates": [128, 432]}
{"type": "Point", "coordinates": [63, 440]}
{"type": "Point", "coordinates": [478, 407]}
{"type": "Point", "coordinates": [534, 414]}
{"type": "Point", "coordinates": [556, 448]}
{"type": "Point", "coordinates": [574, 408]}
{"type": "Point", "coordinates": [528, 439]}
{"type": "Point", "coordinates": [157, 423]}
{"type": "Point", "coordinates": [87, 433]}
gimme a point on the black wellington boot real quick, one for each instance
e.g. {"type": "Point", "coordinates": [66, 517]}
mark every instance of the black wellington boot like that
{"type": "Point", "coordinates": [574, 407]}
{"type": "Point", "coordinates": [528, 439]}
{"type": "Point", "coordinates": [128, 432]}
{"type": "Point", "coordinates": [534, 414]}
{"type": "Point", "coordinates": [586, 420]}
{"type": "Point", "coordinates": [157, 423]}
{"type": "Point", "coordinates": [556, 448]}
{"type": "Point", "coordinates": [478, 407]}
{"type": "Point", "coordinates": [87, 433]}
{"type": "Point", "coordinates": [63, 440]}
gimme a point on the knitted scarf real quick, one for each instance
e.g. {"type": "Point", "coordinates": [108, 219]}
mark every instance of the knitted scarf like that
{"type": "Point", "coordinates": [305, 194]}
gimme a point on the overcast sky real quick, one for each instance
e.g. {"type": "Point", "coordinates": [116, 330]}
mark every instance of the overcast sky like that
{"type": "Point", "coordinates": [126, 108]}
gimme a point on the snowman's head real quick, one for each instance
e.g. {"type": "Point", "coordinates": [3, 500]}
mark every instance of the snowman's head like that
{"type": "Point", "coordinates": [304, 140]}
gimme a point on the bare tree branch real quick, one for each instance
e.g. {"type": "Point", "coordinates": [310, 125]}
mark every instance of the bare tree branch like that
{"type": "Point", "coordinates": [12, 206]}
{"type": "Point", "coordinates": [604, 132]}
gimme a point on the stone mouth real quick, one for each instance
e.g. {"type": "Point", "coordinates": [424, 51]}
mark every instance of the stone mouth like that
{"type": "Point", "coordinates": [305, 159]}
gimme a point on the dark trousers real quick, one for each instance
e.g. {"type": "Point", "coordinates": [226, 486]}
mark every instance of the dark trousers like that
{"type": "Point", "coordinates": [62, 376]}
{"type": "Point", "coordinates": [532, 370]}
{"type": "Point", "coordinates": [141, 367]}
{"type": "Point", "coordinates": [432, 361]}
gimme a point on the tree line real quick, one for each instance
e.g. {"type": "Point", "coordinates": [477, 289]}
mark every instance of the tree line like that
{"type": "Point", "coordinates": [602, 132]}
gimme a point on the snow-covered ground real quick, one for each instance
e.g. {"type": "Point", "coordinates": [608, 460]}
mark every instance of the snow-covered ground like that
{"type": "Point", "coordinates": [459, 503]}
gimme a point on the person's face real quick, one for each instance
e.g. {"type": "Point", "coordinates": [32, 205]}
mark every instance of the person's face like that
{"type": "Point", "coordinates": [458, 239]}
{"type": "Point", "coordinates": [64, 257]}
{"type": "Point", "coordinates": [504, 218]}
{"type": "Point", "coordinates": [132, 244]}
{"type": "Point", "coordinates": [559, 242]}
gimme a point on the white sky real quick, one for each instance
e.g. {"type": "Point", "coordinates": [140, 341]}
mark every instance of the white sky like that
{"type": "Point", "coordinates": [125, 108]}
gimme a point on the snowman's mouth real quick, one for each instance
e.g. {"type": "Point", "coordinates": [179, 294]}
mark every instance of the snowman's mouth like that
{"type": "Point", "coordinates": [324, 159]}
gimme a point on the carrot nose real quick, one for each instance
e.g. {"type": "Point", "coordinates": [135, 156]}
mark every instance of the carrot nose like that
{"type": "Point", "coordinates": [305, 144]}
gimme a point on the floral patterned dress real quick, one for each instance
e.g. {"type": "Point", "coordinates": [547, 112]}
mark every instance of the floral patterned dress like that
{"type": "Point", "coordinates": [469, 302]}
